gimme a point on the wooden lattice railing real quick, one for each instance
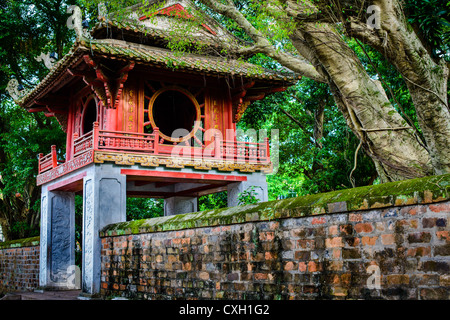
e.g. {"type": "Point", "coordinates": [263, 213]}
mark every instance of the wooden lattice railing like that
{"type": "Point", "coordinates": [119, 141]}
{"type": "Point", "coordinates": [49, 161]}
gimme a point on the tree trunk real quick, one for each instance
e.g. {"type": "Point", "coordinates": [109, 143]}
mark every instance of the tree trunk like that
{"type": "Point", "coordinates": [384, 133]}
{"type": "Point", "coordinates": [425, 78]}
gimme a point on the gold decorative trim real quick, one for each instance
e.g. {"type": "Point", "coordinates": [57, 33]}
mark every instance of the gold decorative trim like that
{"type": "Point", "coordinates": [146, 160]}
{"type": "Point", "coordinates": [240, 109]}
{"type": "Point", "coordinates": [65, 168]}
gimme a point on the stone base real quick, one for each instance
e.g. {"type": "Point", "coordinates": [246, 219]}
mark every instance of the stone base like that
{"type": "Point", "coordinates": [87, 296]}
{"type": "Point", "coordinates": [179, 205]}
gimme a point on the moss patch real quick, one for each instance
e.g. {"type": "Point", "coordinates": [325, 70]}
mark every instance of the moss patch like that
{"type": "Point", "coordinates": [407, 192]}
{"type": "Point", "coordinates": [28, 242]}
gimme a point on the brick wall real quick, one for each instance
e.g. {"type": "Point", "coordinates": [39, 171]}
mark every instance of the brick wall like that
{"type": "Point", "coordinates": [19, 265]}
{"type": "Point", "coordinates": [305, 248]}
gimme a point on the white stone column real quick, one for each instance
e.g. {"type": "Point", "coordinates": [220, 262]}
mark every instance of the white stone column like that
{"type": "Point", "coordinates": [45, 241]}
{"type": "Point", "coordinates": [104, 202]}
{"type": "Point", "coordinates": [180, 205]}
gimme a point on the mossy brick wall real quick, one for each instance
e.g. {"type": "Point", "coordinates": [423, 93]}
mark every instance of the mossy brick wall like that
{"type": "Point", "coordinates": [318, 246]}
{"type": "Point", "coordinates": [310, 247]}
{"type": "Point", "coordinates": [19, 265]}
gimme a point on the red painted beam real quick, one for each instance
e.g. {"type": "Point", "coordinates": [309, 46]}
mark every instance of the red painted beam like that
{"type": "Point", "coordinates": [195, 192]}
{"type": "Point", "coordinates": [71, 183]}
{"type": "Point", "coordinates": [37, 109]}
{"type": "Point", "coordinates": [182, 175]}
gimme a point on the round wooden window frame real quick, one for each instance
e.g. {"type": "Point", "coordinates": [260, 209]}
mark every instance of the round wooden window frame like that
{"type": "Point", "coordinates": [191, 98]}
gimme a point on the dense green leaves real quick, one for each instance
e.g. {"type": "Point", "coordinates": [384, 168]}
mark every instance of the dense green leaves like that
{"type": "Point", "coordinates": [432, 19]}
{"type": "Point", "coordinates": [212, 201]}
{"type": "Point", "coordinates": [308, 163]}
{"type": "Point", "coordinates": [22, 137]}
{"type": "Point", "coordinates": [27, 28]}
{"type": "Point", "coordinates": [144, 208]}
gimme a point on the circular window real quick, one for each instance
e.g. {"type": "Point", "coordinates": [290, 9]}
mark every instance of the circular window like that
{"type": "Point", "coordinates": [175, 112]}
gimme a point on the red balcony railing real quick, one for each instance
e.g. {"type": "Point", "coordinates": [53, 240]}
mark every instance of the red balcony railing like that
{"type": "Point", "coordinates": [251, 152]}
{"type": "Point", "coordinates": [115, 141]}
{"type": "Point", "coordinates": [83, 143]}
{"type": "Point", "coordinates": [49, 161]}
{"type": "Point", "coordinates": [45, 162]}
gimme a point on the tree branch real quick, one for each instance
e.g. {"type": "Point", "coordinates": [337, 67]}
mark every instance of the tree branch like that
{"type": "Point", "coordinates": [352, 180]}
{"type": "Point", "coordinates": [360, 30]}
{"type": "Point", "coordinates": [262, 44]}
{"type": "Point", "coordinates": [299, 124]}
{"type": "Point", "coordinates": [419, 136]}
{"type": "Point", "coordinates": [428, 90]}
{"type": "Point", "coordinates": [386, 129]}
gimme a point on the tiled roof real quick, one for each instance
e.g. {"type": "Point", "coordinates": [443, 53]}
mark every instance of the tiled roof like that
{"type": "Point", "coordinates": [161, 35]}
{"type": "Point", "coordinates": [184, 61]}
{"type": "Point", "coordinates": [181, 19]}
{"type": "Point", "coordinates": [153, 56]}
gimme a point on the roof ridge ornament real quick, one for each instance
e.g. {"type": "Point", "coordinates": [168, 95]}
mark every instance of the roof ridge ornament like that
{"type": "Point", "coordinates": [179, 11]}
{"type": "Point", "coordinates": [102, 11]}
{"type": "Point", "coordinates": [49, 59]}
{"type": "Point", "coordinates": [15, 90]}
{"type": "Point", "coordinates": [75, 22]}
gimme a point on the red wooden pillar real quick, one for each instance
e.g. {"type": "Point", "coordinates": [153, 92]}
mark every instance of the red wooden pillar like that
{"type": "Point", "coordinates": [69, 140]}
{"type": "Point", "coordinates": [75, 137]}
{"type": "Point", "coordinates": [267, 149]}
{"type": "Point", "coordinates": [156, 143]}
{"type": "Point", "coordinates": [111, 119]}
{"type": "Point", "coordinates": [95, 136]}
{"type": "Point", "coordinates": [54, 157]}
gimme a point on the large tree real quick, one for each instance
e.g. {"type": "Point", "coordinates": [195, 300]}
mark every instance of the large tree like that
{"type": "Point", "coordinates": [318, 48]}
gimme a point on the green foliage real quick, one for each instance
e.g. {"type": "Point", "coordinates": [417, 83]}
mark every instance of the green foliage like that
{"type": "Point", "coordinates": [248, 196]}
{"type": "Point", "coordinates": [78, 229]}
{"type": "Point", "coordinates": [22, 229]}
{"type": "Point", "coordinates": [22, 137]}
{"type": "Point", "coordinates": [286, 185]}
{"type": "Point", "coordinates": [432, 19]}
{"type": "Point", "coordinates": [144, 208]}
{"type": "Point", "coordinates": [213, 201]}
{"type": "Point", "coordinates": [27, 28]}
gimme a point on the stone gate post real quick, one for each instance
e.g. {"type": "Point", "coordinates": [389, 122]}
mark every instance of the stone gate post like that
{"type": "Point", "coordinates": [57, 240]}
{"type": "Point", "coordinates": [104, 202]}
{"type": "Point", "coordinates": [256, 180]}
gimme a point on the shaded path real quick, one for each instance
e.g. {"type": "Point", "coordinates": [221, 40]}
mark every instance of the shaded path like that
{"type": "Point", "coordinates": [45, 295]}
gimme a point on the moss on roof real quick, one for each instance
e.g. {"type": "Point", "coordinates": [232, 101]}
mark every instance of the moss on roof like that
{"type": "Point", "coordinates": [142, 54]}
{"type": "Point", "coordinates": [185, 61]}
